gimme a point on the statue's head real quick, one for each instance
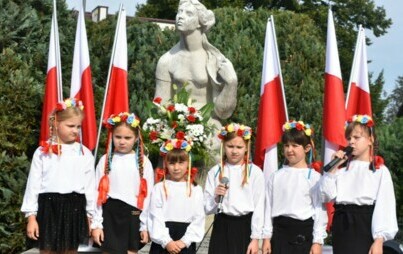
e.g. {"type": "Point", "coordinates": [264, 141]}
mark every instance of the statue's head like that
{"type": "Point", "coordinates": [205, 18]}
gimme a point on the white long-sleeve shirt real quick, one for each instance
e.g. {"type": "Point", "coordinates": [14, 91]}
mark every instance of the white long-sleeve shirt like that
{"type": "Point", "coordinates": [294, 193]}
{"type": "Point", "coordinates": [124, 183]}
{"type": "Point", "coordinates": [177, 207]}
{"type": "Point", "coordinates": [239, 200]}
{"type": "Point", "coordinates": [361, 186]}
{"type": "Point", "coordinates": [72, 171]}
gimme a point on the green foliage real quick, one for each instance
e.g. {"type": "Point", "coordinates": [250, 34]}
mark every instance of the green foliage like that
{"type": "Point", "coordinates": [391, 149]}
{"type": "Point", "coordinates": [395, 100]}
{"type": "Point", "coordinates": [12, 184]}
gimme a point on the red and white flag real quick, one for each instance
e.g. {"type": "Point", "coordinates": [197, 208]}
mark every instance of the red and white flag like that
{"type": "Point", "coordinates": [358, 96]}
{"type": "Point", "coordinates": [333, 103]}
{"type": "Point", "coordinates": [272, 108]}
{"type": "Point", "coordinates": [53, 86]}
{"type": "Point", "coordinates": [117, 95]}
{"type": "Point", "coordinates": [81, 83]}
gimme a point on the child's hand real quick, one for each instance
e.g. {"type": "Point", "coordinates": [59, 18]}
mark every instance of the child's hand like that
{"type": "Point", "coordinates": [145, 237]}
{"type": "Point", "coordinates": [32, 228]}
{"type": "Point", "coordinates": [253, 247]}
{"type": "Point", "coordinates": [316, 248]}
{"type": "Point", "coordinates": [220, 190]}
{"type": "Point", "coordinates": [339, 154]}
{"type": "Point", "coordinates": [98, 236]}
{"type": "Point", "coordinates": [377, 246]}
{"type": "Point", "coordinates": [173, 248]}
{"type": "Point", "coordinates": [181, 244]}
{"type": "Point", "coordinates": [266, 247]}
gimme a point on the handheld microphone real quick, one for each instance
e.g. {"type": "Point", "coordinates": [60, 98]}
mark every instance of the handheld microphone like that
{"type": "Point", "coordinates": [348, 150]}
{"type": "Point", "coordinates": [224, 181]}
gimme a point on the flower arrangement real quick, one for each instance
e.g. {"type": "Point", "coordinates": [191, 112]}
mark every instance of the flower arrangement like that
{"type": "Point", "coordinates": [300, 125]}
{"type": "Point", "coordinates": [178, 119]}
{"type": "Point", "coordinates": [70, 102]}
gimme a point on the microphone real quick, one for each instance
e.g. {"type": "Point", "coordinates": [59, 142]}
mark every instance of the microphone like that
{"type": "Point", "coordinates": [224, 181]}
{"type": "Point", "coordinates": [348, 150]}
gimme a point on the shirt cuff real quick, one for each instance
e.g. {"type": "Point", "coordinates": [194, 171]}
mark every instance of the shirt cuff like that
{"type": "Point", "coordinates": [29, 214]}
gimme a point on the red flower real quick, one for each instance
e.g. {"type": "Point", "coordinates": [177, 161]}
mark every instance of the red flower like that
{"type": "Point", "coordinates": [379, 161]}
{"type": "Point", "coordinates": [299, 127]}
{"type": "Point", "coordinates": [174, 125]}
{"type": "Point", "coordinates": [123, 118]}
{"type": "Point", "coordinates": [153, 135]}
{"type": "Point", "coordinates": [59, 107]}
{"type": "Point", "coordinates": [178, 144]}
{"type": "Point", "coordinates": [180, 135]}
{"type": "Point", "coordinates": [171, 108]}
{"type": "Point", "coordinates": [191, 118]}
{"type": "Point", "coordinates": [240, 132]}
{"type": "Point", "coordinates": [370, 123]}
{"type": "Point", "coordinates": [192, 110]}
{"type": "Point", "coordinates": [157, 100]}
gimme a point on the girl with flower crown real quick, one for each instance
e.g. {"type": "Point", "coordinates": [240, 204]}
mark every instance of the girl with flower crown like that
{"type": "Point", "coordinates": [176, 216]}
{"type": "Point", "coordinates": [295, 218]}
{"type": "Point", "coordinates": [239, 184]}
{"type": "Point", "coordinates": [59, 200]}
{"type": "Point", "coordinates": [125, 177]}
{"type": "Point", "coordinates": [365, 205]}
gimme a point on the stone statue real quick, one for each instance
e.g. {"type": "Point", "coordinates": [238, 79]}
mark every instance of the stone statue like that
{"type": "Point", "coordinates": [210, 77]}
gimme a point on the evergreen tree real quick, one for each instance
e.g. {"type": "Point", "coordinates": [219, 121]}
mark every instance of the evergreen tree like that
{"type": "Point", "coordinates": [395, 107]}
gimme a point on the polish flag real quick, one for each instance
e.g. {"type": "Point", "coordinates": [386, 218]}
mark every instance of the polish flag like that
{"type": "Point", "coordinates": [117, 95]}
{"type": "Point", "coordinates": [81, 83]}
{"type": "Point", "coordinates": [53, 86]}
{"type": "Point", "coordinates": [358, 97]}
{"type": "Point", "coordinates": [333, 103]}
{"type": "Point", "coordinates": [272, 108]}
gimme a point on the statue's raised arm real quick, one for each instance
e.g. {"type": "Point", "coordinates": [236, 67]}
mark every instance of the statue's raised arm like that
{"type": "Point", "coordinates": [193, 60]}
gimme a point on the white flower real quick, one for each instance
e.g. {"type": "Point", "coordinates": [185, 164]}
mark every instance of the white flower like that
{"type": "Point", "coordinates": [180, 107]}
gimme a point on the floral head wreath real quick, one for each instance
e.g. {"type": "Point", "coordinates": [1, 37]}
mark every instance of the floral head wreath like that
{"type": "Point", "coordinates": [362, 119]}
{"type": "Point", "coordinates": [69, 103]}
{"type": "Point", "coordinates": [241, 130]}
{"type": "Point", "coordinates": [176, 143]}
{"type": "Point", "coordinates": [130, 118]}
{"type": "Point", "coordinates": [299, 125]}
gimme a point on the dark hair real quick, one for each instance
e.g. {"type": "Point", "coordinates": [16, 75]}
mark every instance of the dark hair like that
{"type": "Point", "coordinates": [296, 136]}
{"type": "Point", "coordinates": [176, 155]}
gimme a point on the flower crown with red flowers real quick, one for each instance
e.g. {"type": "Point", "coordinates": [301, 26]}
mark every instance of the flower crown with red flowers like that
{"type": "Point", "coordinates": [130, 118]}
{"type": "Point", "coordinates": [176, 143]}
{"type": "Point", "coordinates": [299, 125]}
{"type": "Point", "coordinates": [241, 130]}
{"type": "Point", "coordinates": [362, 119]}
{"type": "Point", "coordinates": [68, 103]}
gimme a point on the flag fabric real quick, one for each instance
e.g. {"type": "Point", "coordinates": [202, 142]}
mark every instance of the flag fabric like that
{"type": "Point", "coordinates": [358, 97]}
{"type": "Point", "coordinates": [333, 103]}
{"type": "Point", "coordinates": [81, 83]}
{"type": "Point", "coordinates": [117, 95]}
{"type": "Point", "coordinates": [53, 79]}
{"type": "Point", "coordinates": [272, 107]}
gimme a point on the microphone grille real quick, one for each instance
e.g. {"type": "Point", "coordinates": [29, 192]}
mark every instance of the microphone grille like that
{"type": "Point", "coordinates": [224, 180]}
{"type": "Point", "coordinates": [348, 150]}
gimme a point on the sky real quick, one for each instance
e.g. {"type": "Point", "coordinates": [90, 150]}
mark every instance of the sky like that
{"type": "Point", "coordinates": [385, 53]}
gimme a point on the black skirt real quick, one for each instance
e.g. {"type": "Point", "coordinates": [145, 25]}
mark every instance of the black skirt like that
{"type": "Point", "coordinates": [176, 230]}
{"type": "Point", "coordinates": [62, 221]}
{"type": "Point", "coordinates": [291, 235]}
{"type": "Point", "coordinates": [231, 234]}
{"type": "Point", "coordinates": [351, 229]}
{"type": "Point", "coordinates": [121, 224]}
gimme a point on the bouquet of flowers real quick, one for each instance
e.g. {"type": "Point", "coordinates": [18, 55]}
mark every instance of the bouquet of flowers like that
{"type": "Point", "coordinates": [178, 119]}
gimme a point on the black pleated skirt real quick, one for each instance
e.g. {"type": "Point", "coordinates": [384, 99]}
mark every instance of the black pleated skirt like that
{"type": "Point", "coordinates": [291, 235]}
{"type": "Point", "coordinates": [62, 221]}
{"type": "Point", "coordinates": [121, 227]}
{"type": "Point", "coordinates": [176, 230]}
{"type": "Point", "coordinates": [351, 229]}
{"type": "Point", "coordinates": [231, 234]}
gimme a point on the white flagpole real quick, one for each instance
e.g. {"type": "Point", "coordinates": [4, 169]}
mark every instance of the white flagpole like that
{"type": "Point", "coordinates": [108, 79]}
{"type": "Point", "coordinates": [353, 73]}
{"type": "Point", "coordinates": [58, 61]}
{"type": "Point", "coordinates": [278, 64]}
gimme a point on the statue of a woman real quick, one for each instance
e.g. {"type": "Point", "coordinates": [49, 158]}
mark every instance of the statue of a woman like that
{"type": "Point", "coordinates": [210, 77]}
